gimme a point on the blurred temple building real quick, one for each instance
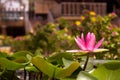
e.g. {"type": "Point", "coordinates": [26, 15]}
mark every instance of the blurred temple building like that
{"type": "Point", "coordinates": [13, 17]}
{"type": "Point", "coordinates": [17, 17]}
{"type": "Point", "coordinates": [52, 10]}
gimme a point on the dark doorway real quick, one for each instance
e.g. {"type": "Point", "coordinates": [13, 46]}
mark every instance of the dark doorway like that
{"type": "Point", "coordinates": [41, 16]}
{"type": "Point", "coordinates": [15, 31]}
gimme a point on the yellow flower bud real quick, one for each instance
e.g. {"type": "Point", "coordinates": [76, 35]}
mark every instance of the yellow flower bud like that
{"type": "Point", "coordinates": [78, 23]}
{"type": "Point", "coordinates": [92, 13]}
{"type": "Point", "coordinates": [82, 17]}
{"type": "Point", "coordinates": [66, 30]}
{"type": "Point", "coordinates": [93, 19]}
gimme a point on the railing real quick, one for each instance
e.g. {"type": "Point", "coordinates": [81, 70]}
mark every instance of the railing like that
{"type": "Point", "coordinates": [16, 23]}
{"type": "Point", "coordinates": [28, 25]}
{"type": "Point", "coordinates": [50, 17]}
{"type": "Point", "coordinates": [76, 9]}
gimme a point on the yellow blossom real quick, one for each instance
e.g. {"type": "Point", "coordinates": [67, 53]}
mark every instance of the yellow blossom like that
{"type": "Point", "coordinates": [2, 37]}
{"type": "Point", "coordinates": [93, 19]}
{"type": "Point", "coordinates": [66, 30]}
{"type": "Point", "coordinates": [92, 13]}
{"type": "Point", "coordinates": [113, 15]}
{"type": "Point", "coordinates": [69, 37]}
{"type": "Point", "coordinates": [82, 17]}
{"type": "Point", "coordinates": [54, 30]}
{"type": "Point", "coordinates": [78, 23]}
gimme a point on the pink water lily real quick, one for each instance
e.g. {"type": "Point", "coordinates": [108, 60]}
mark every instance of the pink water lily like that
{"type": "Point", "coordinates": [88, 43]}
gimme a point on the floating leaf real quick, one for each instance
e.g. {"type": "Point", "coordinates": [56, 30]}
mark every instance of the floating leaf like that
{"type": "Point", "coordinates": [21, 56]}
{"type": "Point", "coordinates": [65, 72]}
{"type": "Point", "coordinates": [31, 68]}
{"type": "Point", "coordinates": [38, 52]}
{"type": "Point", "coordinates": [56, 58]}
{"type": "Point", "coordinates": [85, 76]}
{"type": "Point", "coordinates": [108, 71]}
{"type": "Point", "coordinates": [52, 70]}
{"type": "Point", "coordinates": [22, 53]}
{"type": "Point", "coordinates": [44, 66]}
{"type": "Point", "coordinates": [67, 62]}
{"type": "Point", "coordinates": [10, 65]}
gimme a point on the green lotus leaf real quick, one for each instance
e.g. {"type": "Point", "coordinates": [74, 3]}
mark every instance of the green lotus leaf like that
{"type": "Point", "coordinates": [66, 62]}
{"type": "Point", "coordinates": [65, 72]}
{"type": "Point", "coordinates": [38, 52]}
{"type": "Point", "coordinates": [31, 68]}
{"type": "Point", "coordinates": [21, 57]}
{"type": "Point", "coordinates": [44, 66]}
{"type": "Point", "coordinates": [22, 53]}
{"type": "Point", "coordinates": [85, 76]}
{"type": "Point", "coordinates": [10, 65]}
{"type": "Point", "coordinates": [108, 71]}
{"type": "Point", "coordinates": [58, 57]}
{"type": "Point", "coordinates": [52, 70]}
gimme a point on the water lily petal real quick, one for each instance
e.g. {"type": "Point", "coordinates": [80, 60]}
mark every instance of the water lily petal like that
{"type": "Point", "coordinates": [82, 37]}
{"type": "Point", "coordinates": [87, 44]}
{"type": "Point", "coordinates": [87, 39]}
{"type": "Point", "coordinates": [88, 36]}
{"type": "Point", "coordinates": [99, 43]}
{"type": "Point", "coordinates": [80, 43]}
{"type": "Point", "coordinates": [74, 51]}
{"type": "Point", "coordinates": [100, 50]}
{"type": "Point", "coordinates": [91, 42]}
{"type": "Point", "coordinates": [78, 52]}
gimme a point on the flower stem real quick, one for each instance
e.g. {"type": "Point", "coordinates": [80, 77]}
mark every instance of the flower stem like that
{"type": "Point", "coordinates": [86, 62]}
{"type": "Point", "coordinates": [25, 74]}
